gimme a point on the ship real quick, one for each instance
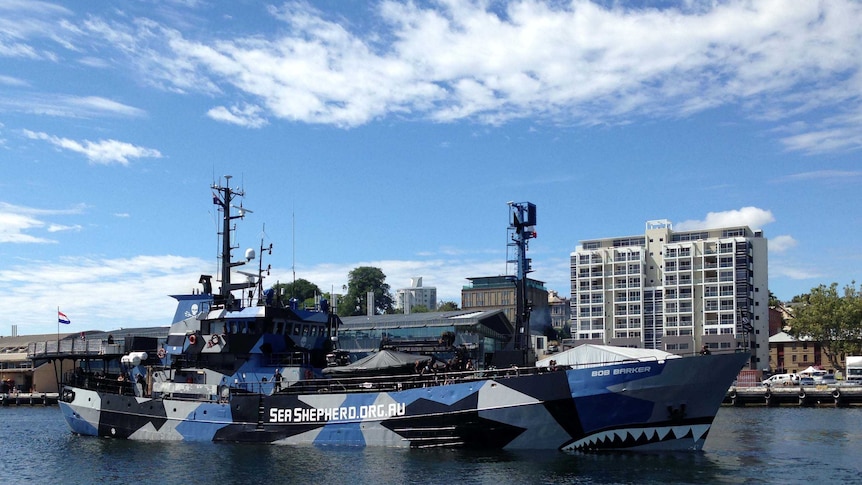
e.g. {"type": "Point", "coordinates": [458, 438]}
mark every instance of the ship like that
{"type": "Point", "coordinates": [241, 364]}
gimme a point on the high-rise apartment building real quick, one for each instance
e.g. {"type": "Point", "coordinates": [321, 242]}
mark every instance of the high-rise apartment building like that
{"type": "Point", "coordinates": [407, 298]}
{"type": "Point", "coordinates": [674, 291]}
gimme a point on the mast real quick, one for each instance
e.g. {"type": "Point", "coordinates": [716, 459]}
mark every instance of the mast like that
{"type": "Point", "coordinates": [223, 197]}
{"type": "Point", "coordinates": [522, 222]}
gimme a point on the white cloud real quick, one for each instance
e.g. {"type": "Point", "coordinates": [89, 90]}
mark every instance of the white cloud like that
{"type": "Point", "coordinates": [247, 115]}
{"type": "Point", "coordinates": [793, 271]}
{"type": "Point", "coordinates": [68, 106]}
{"type": "Point", "coordinates": [18, 222]}
{"type": "Point", "coordinates": [435, 272]}
{"type": "Point", "coordinates": [752, 217]}
{"type": "Point", "coordinates": [103, 152]}
{"type": "Point", "coordinates": [829, 175]}
{"type": "Point", "coordinates": [12, 81]}
{"type": "Point", "coordinates": [99, 104]}
{"type": "Point", "coordinates": [61, 228]}
{"type": "Point", "coordinates": [491, 62]}
{"type": "Point", "coordinates": [779, 244]}
{"type": "Point", "coordinates": [99, 293]}
{"type": "Point", "coordinates": [21, 21]}
{"type": "Point", "coordinates": [128, 292]}
{"type": "Point", "coordinates": [14, 227]}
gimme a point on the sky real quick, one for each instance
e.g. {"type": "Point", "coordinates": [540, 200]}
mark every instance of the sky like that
{"type": "Point", "coordinates": [393, 134]}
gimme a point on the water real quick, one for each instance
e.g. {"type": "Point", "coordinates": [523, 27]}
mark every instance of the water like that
{"type": "Point", "coordinates": [746, 445]}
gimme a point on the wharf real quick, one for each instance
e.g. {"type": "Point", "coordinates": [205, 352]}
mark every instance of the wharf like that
{"type": "Point", "coordinates": [806, 396]}
{"type": "Point", "coordinates": [29, 399]}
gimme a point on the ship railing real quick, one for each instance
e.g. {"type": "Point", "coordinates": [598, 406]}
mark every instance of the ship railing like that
{"type": "Point", "coordinates": [95, 381]}
{"type": "Point", "coordinates": [400, 382]}
{"type": "Point", "coordinates": [286, 359]}
{"type": "Point", "coordinates": [397, 382]}
{"type": "Point", "coordinates": [185, 390]}
{"type": "Point", "coordinates": [72, 347]}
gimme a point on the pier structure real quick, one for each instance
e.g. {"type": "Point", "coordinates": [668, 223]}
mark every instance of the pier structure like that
{"type": "Point", "coordinates": [836, 395]}
{"type": "Point", "coordinates": [29, 399]}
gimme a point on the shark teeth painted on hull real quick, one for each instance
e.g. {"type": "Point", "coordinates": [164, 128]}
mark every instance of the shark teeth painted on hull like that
{"type": "Point", "coordinates": [636, 437]}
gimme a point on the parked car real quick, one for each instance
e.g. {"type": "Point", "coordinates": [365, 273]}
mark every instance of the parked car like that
{"type": "Point", "coordinates": [824, 379]}
{"type": "Point", "coordinates": [806, 381]}
{"type": "Point", "coordinates": [819, 376]}
{"type": "Point", "coordinates": [781, 380]}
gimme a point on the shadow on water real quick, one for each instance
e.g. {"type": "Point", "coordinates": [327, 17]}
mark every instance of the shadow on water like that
{"type": "Point", "coordinates": [293, 464]}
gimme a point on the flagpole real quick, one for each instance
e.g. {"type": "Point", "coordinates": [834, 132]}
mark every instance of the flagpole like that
{"type": "Point", "coordinates": [58, 329]}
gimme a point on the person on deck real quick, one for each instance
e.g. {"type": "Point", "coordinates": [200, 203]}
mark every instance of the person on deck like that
{"type": "Point", "coordinates": [277, 378]}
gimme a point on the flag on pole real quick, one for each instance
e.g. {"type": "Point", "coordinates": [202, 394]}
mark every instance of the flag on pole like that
{"type": "Point", "coordinates": [62, 318]}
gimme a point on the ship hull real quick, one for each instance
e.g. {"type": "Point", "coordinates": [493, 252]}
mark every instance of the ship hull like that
{"type": "Point", "coordinates": [656, 405]}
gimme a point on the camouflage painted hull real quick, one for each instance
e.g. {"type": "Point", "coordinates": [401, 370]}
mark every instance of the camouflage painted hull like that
{"type": "Point", "coordinates": [667, 405]}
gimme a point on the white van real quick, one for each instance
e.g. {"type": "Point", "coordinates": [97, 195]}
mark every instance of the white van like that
{"type": "Point", "coordinates": [781, 380]}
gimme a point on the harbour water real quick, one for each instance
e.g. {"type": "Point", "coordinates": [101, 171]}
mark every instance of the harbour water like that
{"type": "Point", "coordinates": [746, 445]}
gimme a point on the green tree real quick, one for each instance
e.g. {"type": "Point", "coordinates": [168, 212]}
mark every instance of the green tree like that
{"type": "Point", "coordinates": [419, 309]}
{"type": "Point", "coordinates": [564, 332]}
{"type": "Point", "coordinates": [833, 319]}
{"type": "Point", "coordinates": [447, 306]}
{"type": "Point", "coordinates": [301, 289]}
{"type": "Point", "coordinates": [359, 282]}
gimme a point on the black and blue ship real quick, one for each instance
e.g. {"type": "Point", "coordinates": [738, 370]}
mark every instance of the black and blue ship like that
{"type": "Point", "coordinates": [240, 366]}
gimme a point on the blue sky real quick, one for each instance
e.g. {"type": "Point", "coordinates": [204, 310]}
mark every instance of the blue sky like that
{"type": "Point", "coordinates": [393, 134]}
